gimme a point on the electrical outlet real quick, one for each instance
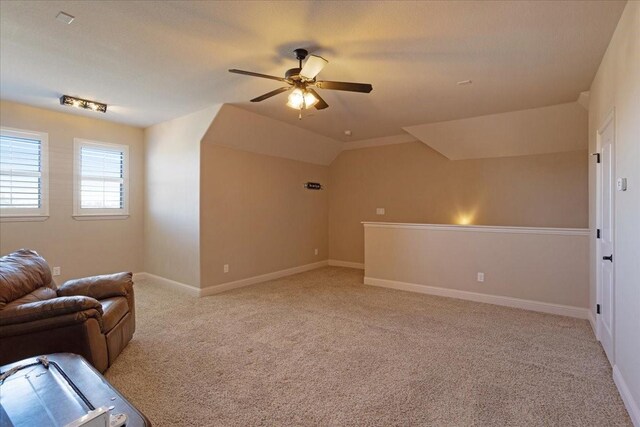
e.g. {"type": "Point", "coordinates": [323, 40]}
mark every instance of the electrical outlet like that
{"type": "Point", "coordinates": [226, 268]}
{"type": "Point", "coordinates": [56, 271]}
{"type": "Point", "coordinates": [379, 211]}
{"type": "Point", "coordinates": [315, 251]}
{"type": "Point", "coordinates": [480, 277]}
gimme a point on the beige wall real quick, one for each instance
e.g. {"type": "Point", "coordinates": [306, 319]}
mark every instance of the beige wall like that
{"type": "Point", "coordinates": [617, 86]}
{"type": "Point", "coordinates": [210, 203]}
{"type": "Point", "coordinates": [87, 247]}
{"type": "Point", "coordinates": [416, 184]}
{"type": "Point", "coordinates": [256, 216]}
{"type": "Point", "coordinates": [172, 197]}
{"type": "Point", "coordinates": [549, 267]}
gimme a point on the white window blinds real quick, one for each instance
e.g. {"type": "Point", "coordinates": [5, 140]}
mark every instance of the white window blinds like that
{"type": "Point", "coordinates": [101, 186]}
{"type": "Point", "coordinates": [22, 173]}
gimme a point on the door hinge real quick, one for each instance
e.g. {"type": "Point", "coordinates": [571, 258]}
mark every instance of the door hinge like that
{"type": "Point", "coordinates": [597, 157]}
{"type": "Point", "coordinates": [597, 308]}
{"type": "Point", "coordinates": [597, 233]}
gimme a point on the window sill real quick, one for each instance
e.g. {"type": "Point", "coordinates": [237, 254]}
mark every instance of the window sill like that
{"type": "Point", "coordinates": [24, 218]}
{"type": "Point", "coordinates": [101, 217]}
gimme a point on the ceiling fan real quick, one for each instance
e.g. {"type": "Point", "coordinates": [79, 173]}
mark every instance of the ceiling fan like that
{"type": "Point", "coordinates": [302, 80]}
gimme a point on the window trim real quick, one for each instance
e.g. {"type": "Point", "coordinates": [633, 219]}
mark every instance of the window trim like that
{"type": "Point", "coordinates": [98, 214]}
{"type": "Point", "coordinates": [29, 214]}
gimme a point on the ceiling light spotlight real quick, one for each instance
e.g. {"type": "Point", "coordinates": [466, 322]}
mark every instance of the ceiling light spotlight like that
{"type": "Point", "coordinates": [347, 132]}
{"type": "Point", "coordinates": [83, 103]}
{"type": "Point", "coordinates": [299, 100]}
{"type": "Point", "coordinates": [65, 18]}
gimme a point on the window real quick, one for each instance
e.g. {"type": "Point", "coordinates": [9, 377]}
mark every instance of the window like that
{"type": "Point", "coordinates": [23, 175]}
{"type": "Point", "coordinates": [101, 179]}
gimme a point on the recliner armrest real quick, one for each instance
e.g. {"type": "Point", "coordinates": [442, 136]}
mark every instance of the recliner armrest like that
{"type": "Point", "coordinates": [99, 287]}
{"type": "Point", "coordinates": [48, 309]}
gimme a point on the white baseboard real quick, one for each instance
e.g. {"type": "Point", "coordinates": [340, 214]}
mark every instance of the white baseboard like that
{"type": "Point", "coordinates": [544, 307]}
{"type": "Point", "coordinates": [632, 406]}
{"type": "Point", "coordinates": [216, 289]}
{"type": "Point", "coordinates": [349, 264]}
{"type": "Point", "coordinates": [167, 283]}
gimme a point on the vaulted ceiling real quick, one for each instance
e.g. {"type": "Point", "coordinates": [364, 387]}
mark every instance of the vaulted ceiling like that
{"type": "Point", "coordinates": [153, 61]}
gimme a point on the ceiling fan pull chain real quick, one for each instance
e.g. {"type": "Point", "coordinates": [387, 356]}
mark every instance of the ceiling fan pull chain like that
{"type": "Point", "coordinates": [304, 106]}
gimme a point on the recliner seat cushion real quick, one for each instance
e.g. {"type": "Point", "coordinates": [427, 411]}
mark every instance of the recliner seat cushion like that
{"type": "Point", "coordinates": [114, 309]}
{"type": "Point", "coordinates": [21, 273]}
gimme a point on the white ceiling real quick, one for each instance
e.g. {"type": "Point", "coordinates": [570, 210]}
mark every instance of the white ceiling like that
{"type": "Point", "coordinates": [270, 137]}
{"type": "Point", "coordinates": [156, 60]}
{"type": "Point", "coordinates": [552, 129]}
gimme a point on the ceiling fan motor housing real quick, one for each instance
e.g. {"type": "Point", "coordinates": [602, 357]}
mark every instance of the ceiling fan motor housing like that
{"type": "Point", "coordinates": [292, 74]}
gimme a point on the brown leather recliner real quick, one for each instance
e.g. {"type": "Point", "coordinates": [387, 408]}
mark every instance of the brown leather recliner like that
{"type": "Point", "coordinates": [93, 317]}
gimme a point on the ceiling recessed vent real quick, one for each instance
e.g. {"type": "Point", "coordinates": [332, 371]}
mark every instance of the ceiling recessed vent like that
{"type": "Point", "coordinates": [464, 82]}
{"type": "Point", "coordinates": [65, 18]}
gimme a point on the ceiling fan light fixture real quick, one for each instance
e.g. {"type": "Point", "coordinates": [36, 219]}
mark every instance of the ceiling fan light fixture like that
{"type": "Point", "coordinates": [309, 100]}
{"type": "Point", "coordinates": [299, 99]}
{"type": "Point", "coordinates": [295, 99]}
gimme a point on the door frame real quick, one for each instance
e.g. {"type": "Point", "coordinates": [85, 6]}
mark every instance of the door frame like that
{"type": "Point", "coordinates": [609, 118]}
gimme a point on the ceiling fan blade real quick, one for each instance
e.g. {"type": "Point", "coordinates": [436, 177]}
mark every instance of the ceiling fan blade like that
{"type": "Point", "coordinates": [321, 104]}
{"type": "Point", "coordinates": [264, 76]}
{"type": "Point", "coordinates": [270, 94]}
{"type": "Point", "coordinates": [351, 87]}
{"type": "Point", "coordinates": [313, 66]}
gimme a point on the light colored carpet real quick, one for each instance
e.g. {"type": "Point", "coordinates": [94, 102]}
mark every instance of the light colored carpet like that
{"type": "Point", "coordinates": [320, 348]}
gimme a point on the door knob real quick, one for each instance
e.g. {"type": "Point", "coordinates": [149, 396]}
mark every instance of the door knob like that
{"type": "Point", "coordinates": [608, 258]}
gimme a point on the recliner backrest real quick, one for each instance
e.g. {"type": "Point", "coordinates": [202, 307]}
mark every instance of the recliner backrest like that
{"type": "Point", "coordinates": [21, 273]}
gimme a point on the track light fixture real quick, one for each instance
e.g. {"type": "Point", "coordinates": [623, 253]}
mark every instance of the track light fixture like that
{"type": "Point", "coordinates": [83, 103]}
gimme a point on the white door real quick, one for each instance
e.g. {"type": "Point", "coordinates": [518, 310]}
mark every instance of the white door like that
{"type": "Point", "coordinates": [606, 279]}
